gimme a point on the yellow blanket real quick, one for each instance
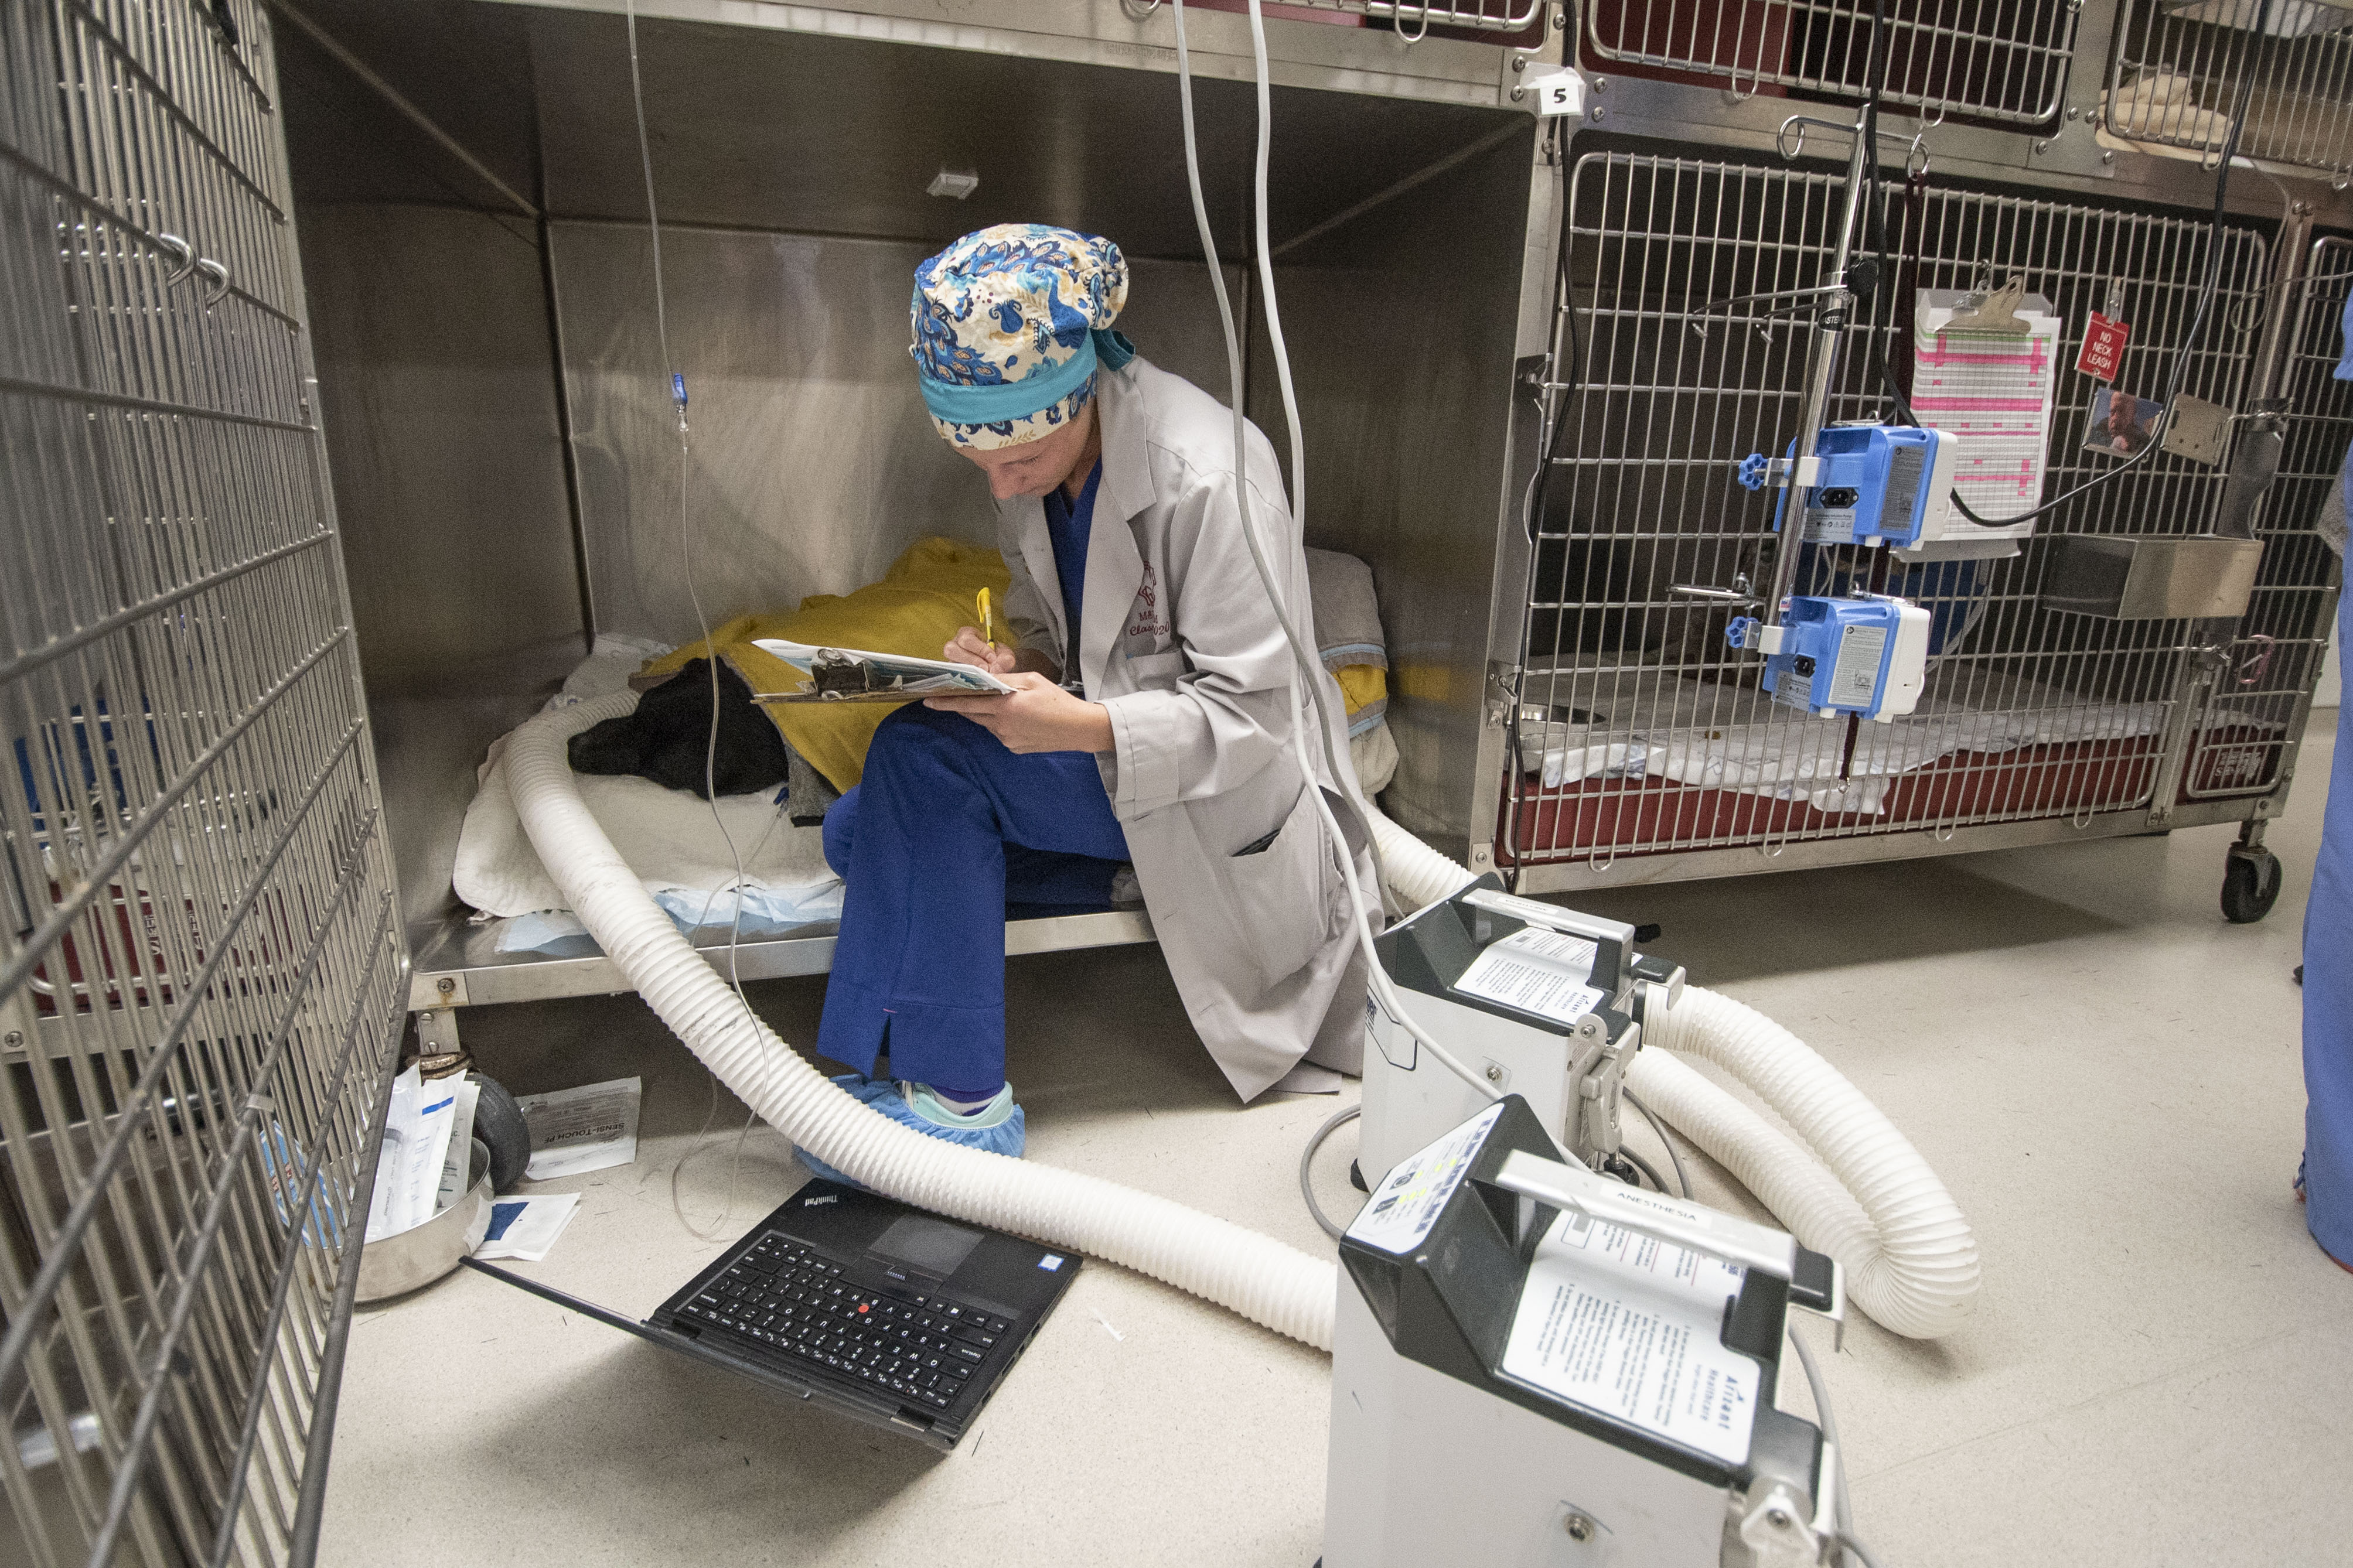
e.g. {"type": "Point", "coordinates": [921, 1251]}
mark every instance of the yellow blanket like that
{"type": "Point", "coordinates": [915, 608]}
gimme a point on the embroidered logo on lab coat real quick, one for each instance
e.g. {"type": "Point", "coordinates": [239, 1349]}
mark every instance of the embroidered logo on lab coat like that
{"type": "Point", "coordinates": [1144, 622]}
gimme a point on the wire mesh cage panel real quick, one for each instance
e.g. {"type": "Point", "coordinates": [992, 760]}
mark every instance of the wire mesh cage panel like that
{"type": "Point", "coordinates": [2004, 60]}
{"type": "Point", "coordinates": [200, 976]}
{"type": "Point", "coordinates": [1638, 730]}
{"type": "Point", "coordinates": [2270, 669]}
{"type": "Point", "coordinates": [2180, 70]}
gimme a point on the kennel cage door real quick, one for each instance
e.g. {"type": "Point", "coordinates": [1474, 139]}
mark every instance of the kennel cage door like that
{"type": "Point", "coordinates": [201, 971]}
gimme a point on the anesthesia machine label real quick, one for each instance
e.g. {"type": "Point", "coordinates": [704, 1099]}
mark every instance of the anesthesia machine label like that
{"type": "Point", "coordinates": [1630, 1327]}
{"type": "Point", "coordinates": [1398, 1216]}
{"type": "Point", "coordinates": [1856, 676]}
{"type": "Point", "coordinates": [1536, 971]}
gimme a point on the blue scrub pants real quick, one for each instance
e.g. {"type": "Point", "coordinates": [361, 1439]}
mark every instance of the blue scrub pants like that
{"type": "Point", "coordinates": [2328, 998]}
{"type": "Point", "coordinates": [944, 828]}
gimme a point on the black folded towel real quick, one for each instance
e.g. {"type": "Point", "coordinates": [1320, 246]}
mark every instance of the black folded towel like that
{"type": "Point", "coordinates": [668, 736]}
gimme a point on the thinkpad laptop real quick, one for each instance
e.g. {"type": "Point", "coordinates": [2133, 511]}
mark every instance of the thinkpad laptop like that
{"type": "Point", "coordinates": [861, 1303]}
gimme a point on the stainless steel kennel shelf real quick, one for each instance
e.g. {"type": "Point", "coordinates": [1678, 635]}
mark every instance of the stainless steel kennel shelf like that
{"type": "Point", "coordinates": [457, 964]}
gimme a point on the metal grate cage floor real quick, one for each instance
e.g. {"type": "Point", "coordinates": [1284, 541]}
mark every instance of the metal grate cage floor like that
{"type": "Point", "coordinates": [1638, 731]}
{"type": "Point", "coordinates": [2178, 70]}
{"type": "Point", "coordinates": [2004, 60]}
{"type": "Point", "coordinates": [200, 973]}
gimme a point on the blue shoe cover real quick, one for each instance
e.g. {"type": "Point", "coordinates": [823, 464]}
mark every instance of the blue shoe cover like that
{"type": "Point", "coordinates": [999, 1127]}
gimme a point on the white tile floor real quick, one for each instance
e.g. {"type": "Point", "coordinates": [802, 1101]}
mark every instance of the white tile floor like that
{"type": "Point", "coordinates": [2106, 1074]}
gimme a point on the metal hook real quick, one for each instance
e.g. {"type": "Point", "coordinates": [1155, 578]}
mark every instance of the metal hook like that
{"type": "Point", "coordinates": [219, 274]}
{"type": "Point", "coordinates": [1139, 11]}
{"type": "Point", "coordinates": [2257, 663]}
{"type": "Point", "coordinates": [1916, 161]}
{"type": "Point", "coordinates": [186, 254]}
{"type": "Point", "coordinates": [1397, 12]}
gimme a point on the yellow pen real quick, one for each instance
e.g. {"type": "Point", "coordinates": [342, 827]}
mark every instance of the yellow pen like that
{"type": "Point", "coordinates": [987, 632]}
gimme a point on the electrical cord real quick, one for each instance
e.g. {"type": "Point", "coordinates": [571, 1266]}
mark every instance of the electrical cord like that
{"type": "Point", "coordinates": [1683, 1177]}
{"type": "Point", "coordinates": [1848, 1542]}
{"type": "Point", "coordinates": [1843, 1507]}
{"type": "Point", "coordinates": [1384, 993]}
{"type": "Point", "coordinates": [1340, 1119]}
{"type": "Point", "coordinates": [2208, 286]}
{"type": "Point", "coordinates": [711, 657]}
{"type": "Point", "coordinates": [1644, 1166]}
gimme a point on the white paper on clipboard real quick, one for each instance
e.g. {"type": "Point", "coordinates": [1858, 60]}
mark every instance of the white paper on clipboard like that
{"type": "Point", "coordinates": [1993, 392]}
{"type": "Point", "coordinates": [905, 675]}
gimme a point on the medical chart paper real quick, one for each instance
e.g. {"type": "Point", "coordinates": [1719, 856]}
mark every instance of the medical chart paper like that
{"type": "Point", "coordinates": [1630, 1327]}
{"type": "Point", "coordinates": [1398, 1216]}
{"type": "Point", "coordinates": [1536, 971]}
{"type": "Point", "coordinates": [1993, 392]}
{"type": "Point", "coordinates": [912, 677]}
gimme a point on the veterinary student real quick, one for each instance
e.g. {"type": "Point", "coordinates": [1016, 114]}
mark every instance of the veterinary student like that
{"type": "Point", "coordinates": [1150, 722]}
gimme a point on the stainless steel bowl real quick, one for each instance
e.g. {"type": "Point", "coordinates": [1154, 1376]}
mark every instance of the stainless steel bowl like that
{"type": "Point", "coordinates": [418, 1256]}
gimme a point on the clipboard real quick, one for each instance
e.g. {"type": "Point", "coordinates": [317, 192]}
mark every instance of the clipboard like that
{"type": "Point", "coordinates": [862, 675]}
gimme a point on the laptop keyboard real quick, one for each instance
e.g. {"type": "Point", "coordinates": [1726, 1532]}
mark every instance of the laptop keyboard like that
{"type": "Point", "coordinates": [793, 1300]}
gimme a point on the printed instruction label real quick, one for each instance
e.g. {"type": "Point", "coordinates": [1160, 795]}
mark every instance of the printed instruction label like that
{"type": "Point", "coordinates": [2104, 347]}
{"type": "Point", "coordinates": [1536, 971]}
{"type": "Point", "coordinates": [1830, 525]}
{"type": "Point", "coordinates": [1630, 1327]}
{"type": "Point", "coordinates": [1855, 676]}
{"type": "Point", "coordinates": [1397, 1217]}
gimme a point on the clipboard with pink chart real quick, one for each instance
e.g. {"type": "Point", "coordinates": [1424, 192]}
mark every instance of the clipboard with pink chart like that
{"type": "Point", "coordinates": [1994, 392]}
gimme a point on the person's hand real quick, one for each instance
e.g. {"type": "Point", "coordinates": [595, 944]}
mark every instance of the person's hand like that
{"type": "Point", "coordinates": [1036, 716]}
{"type": "Point", "coordinates": [970, 647]}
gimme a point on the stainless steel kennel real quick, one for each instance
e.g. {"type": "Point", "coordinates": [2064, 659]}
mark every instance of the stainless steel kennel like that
{"type": "Point", "coordinates": [1526, 378]}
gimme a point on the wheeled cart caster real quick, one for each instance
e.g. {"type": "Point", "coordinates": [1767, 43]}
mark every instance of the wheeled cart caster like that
{"type": "Point", "coordinates": [2251, 884]}
{"type": "Point", "coordinates": [498, 1122]}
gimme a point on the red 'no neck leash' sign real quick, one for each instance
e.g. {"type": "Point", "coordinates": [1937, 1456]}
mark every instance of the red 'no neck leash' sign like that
{"type": "Point", "coordinates": [2104, 347]}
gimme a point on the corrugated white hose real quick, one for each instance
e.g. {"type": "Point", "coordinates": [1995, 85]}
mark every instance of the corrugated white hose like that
{"type": "Point", "coordinates": [1913, 1268]}
{"type": "Point", "coordinates": [1260, 1277]}
{"type": "Point", "coordinates": [1910, 1257]}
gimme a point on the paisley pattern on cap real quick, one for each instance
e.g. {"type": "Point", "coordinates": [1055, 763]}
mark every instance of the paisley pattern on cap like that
{"type": "Point", "coordinates": [1009, 303]}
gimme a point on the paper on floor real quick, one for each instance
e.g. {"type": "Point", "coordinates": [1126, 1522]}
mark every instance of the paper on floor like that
{"type": "Point", "coordinates": [416, 1128]}
{"type": "Point", "coordinates": [456, 1162]}
{"type": "Point", "coordinates": [525, 1228]}
{"type": "Point", "coordinates": [575, 1131]}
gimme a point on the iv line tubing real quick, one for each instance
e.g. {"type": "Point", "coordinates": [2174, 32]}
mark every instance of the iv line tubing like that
{"type": "Point", "coordinates": [1304, 668]}
{"type": "Point", "coordinates": [703, 622]}
{"type": "Point", "coordinates": [1309, 667]}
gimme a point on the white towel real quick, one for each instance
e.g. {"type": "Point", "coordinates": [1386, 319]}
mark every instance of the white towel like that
{"type": "Point", "coordinates": [668, 837]}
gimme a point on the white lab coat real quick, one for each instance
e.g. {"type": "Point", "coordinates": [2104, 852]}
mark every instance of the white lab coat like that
{"type": "Point", "coordinates": [1179, 645]}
